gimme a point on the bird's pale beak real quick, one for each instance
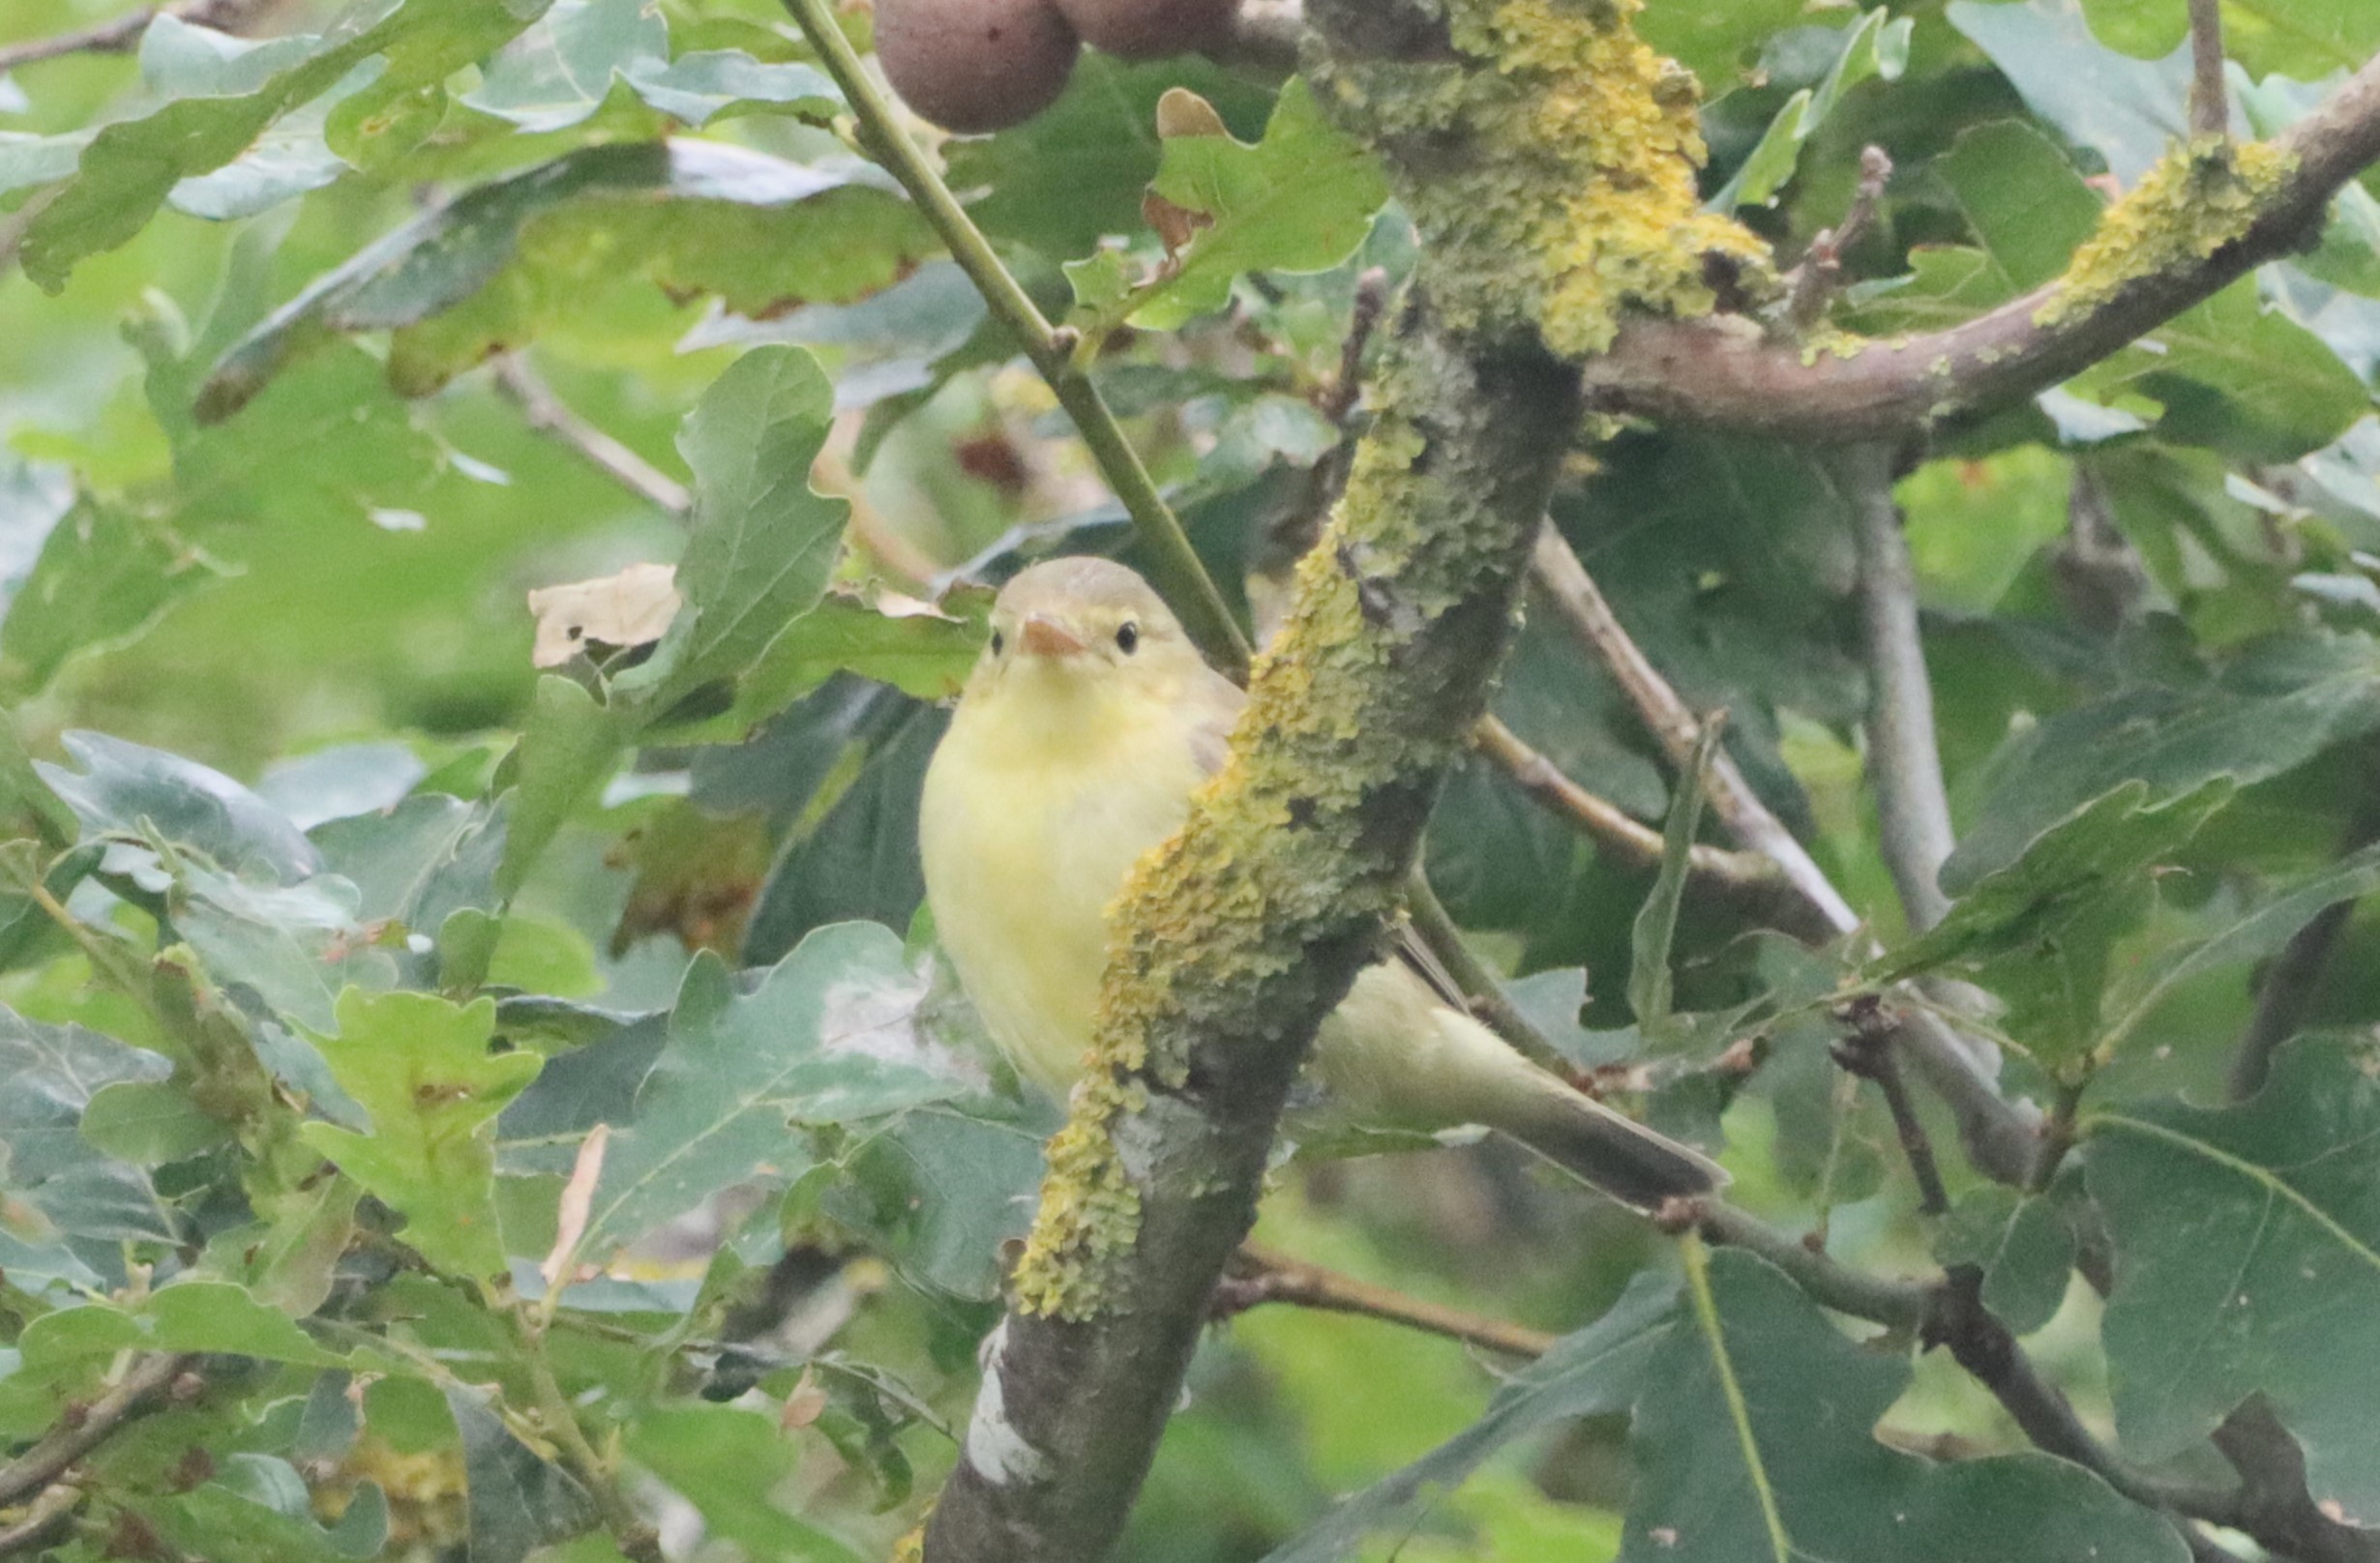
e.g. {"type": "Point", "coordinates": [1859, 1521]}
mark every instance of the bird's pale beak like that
{"type": "Point", "coordinates": [1041, 635]}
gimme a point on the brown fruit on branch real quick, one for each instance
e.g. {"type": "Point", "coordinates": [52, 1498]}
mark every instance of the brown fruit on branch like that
{"type": "Point", "coordinates": [973, 66]}
{"type": "Point", "coordinates": [1150, 29]}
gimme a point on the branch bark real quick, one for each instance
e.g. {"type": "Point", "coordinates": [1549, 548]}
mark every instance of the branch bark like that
{"type": "Point", "coordinates": [1241, 934]}
{"type": "Point", "coordinates": [1904, 764]}
{"type": "Point", "coordinates": [1724, 372]}
{"type": "Point", "coordinates": [1261, 1276]}
{"type": "Point", "coordinates": [136, 1394]}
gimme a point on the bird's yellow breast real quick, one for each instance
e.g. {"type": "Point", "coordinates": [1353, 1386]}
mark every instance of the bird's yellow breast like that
{"type": "Point", "coordinates": [1045, 791]}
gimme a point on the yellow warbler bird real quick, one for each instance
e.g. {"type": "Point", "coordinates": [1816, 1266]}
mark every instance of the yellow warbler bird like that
{"type": "Point", "coordinates": [1082, 733]}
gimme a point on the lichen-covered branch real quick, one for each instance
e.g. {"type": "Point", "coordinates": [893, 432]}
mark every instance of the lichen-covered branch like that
{"type": "Point", "coordinates": [1241, 933]}
{"type": "Point", "coordinates": [2210, 212]}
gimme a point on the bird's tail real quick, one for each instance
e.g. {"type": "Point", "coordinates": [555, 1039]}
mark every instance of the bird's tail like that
{"type": "Point", "coordinates": [1634, 1164]}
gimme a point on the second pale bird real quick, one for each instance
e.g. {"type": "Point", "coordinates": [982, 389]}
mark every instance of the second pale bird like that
{"type": "Point", "coordinates": [1082, 733]}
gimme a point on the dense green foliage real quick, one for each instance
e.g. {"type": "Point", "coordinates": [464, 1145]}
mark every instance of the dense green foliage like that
{"type": "Point", "coordinates": [510, 1101]}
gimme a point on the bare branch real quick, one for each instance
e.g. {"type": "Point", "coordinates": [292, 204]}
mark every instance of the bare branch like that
{"type": "Point", "coordinates": [1261, 1276]}
{"type": "Point", "coordinates": [2279, 1509]}
{"type": "Point", "coordinates": [2001, 1136]}
{"type": "Point", "coordinates": [1904, 762]}
{"type": "Point", "coordinates": [120, 35]}
{"type": "Point", "coordinates": [1820, 271]}
{"type": "Point", "coordinates": [1867, 1050]}
{"type": "Point", "coordinates": [549, 414]}
{"type": "Point", "coordinates": [2210, 102]}
{"type": "Point", "coordinates": [1724, 372]}
{"type": "Point", "coordinates": [1563, 582]}
{"type": "Point", "coordinates": [140, 1392]}
{"type": "Point", "coordinates": [43, 1517]}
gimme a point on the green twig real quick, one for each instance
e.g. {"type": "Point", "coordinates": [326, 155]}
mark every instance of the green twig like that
{"type": "Point", "coordinates": [1181, 577]}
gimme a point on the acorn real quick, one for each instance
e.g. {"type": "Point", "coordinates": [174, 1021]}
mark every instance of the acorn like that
{"type": "Point", "coordinates": [975, 66]}
{"type": "Point", "coordinates": [1150, 29]}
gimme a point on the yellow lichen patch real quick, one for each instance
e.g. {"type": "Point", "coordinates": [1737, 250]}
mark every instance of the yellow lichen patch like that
{"type": "Point", "coordinates": [2203, 194]}
{"type": "Point", "coordinates": [1573, 197]}
{"type": "Point", "coordinates": [1089, 1210]}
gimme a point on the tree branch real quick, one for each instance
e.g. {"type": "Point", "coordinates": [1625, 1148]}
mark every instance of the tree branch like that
{"type": "Point", "coordinates": [1565, 584]}
{"type": "Point", "coordinates": [548, 414]}
{"type": "Point", "coordinates": [2209, 98]}
{"type": "Point", "coordinates": [1260, 1276]}
{"type": "Point", "coordinates": [2001, 1136]}
{"type": "Point", "coordinates": [2287, 982]}
{"type": "Point", "coordinates": [1723, 373]}
{"type": "Point", "coordinates": [1904, 763]}
{"type": "Point", "coordinates": [121, 34]}
{"type": "Point", "coordinates": [136, 1394]}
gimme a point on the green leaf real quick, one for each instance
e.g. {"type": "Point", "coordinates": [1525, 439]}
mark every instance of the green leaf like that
{"type": "Point", "coordinates": [2268, 708]}
{"type": "Point", "coordinates": [1877, 45]}
{"type": "Point", "coordinates": [517, 1501]}
{"type": "Point", "coordinates": [49, 1075]}
{"type": "Point", "coordinates": [150, 1123]}
{"type": "Point", "coordinates": [2127, 111]}
{"type": "Point", "coordinates": [727, 1462]}
{"type": "Point", "coordinates": [1076, 172]}
{"type": "Point", "coordinates": [195, 1314]}
{"type": "Point", "coordinates": [1300, 200]}
{"type": "Point", "coordinates": [1718, 39]}
{"type": "Point", "coordinates": [569, 747]}
{"type": "Point", "coordinates": [1735, 1462]}
{"type": "Point", "coordinates": [764, 541]}
{"type": "Point", "coordinates": [1650, 987]}
{"type": "Point", "coordinates": [2247, 1261]}
{"type": "Point", "coordinates": [489, 268]}
{"type": "Point", "coordinates": [924, 652]}
{"type": "Point", "coordinates": [2307, 39]}
{"type": "Point", "coordinates": [104, 575]}
{"type": "Point", "coordinates": [416, 864]}
{"type": "Point", "coordinates": [130, 167]}
{"type": "Point", "coordinates": [2251, 936]}
{"type": "Point", "coordinates": [2023, 199]}
{"type": "Point", "coordinates": [420, 1067]}
{"type": "Point", "coordinates": [1597, 1370]}
{"type": "Point", "coordinates": [2040, 931]}
{"type": "Point", "coordinates": [942, 1188]}
{"type": "Point", "coordinates": [561, 70]}
{"type": "Point", "coordinates": [2023, 1244]}
{"type": "Point", "coordinates": [129, 790]}
{"type": "Point", "coordinates": [829, 1035]}
{"type": "Point", "coordinates": [853, 853]}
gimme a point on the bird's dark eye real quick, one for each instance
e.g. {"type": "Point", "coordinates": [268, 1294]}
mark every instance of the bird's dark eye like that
{"type": "Point", "coordinates": [999, 643]}
{"type": "Point", "coordinates": [1127, 637]}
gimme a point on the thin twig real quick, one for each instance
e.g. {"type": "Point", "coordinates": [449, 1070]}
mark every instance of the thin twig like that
{"type": "Point", "coordinates": [558, 1419]}
{"type": "Point", "coordinates": [1820, 271]}
{"type": "Point", "coordinates": [1563, 582]}
{"type": "Point", "coordinates": [120, 35]}
{"type": "Point", "coordinates": [549, 414]}
{"type": "Point", "coordinates": [2280, 1512]}
{"type": "Point", "coordinates": [1182, 578]}
{"type": "Point", "coordinates": [2001, 1136]}
{"type": "Point", "coordinates": [1904, 760]}
{"type": "Point", "coordinates": [1899, 1304]}
{"type": "Point", "coordinates": [43, 1517]}
{"type": "Point", "coordinates": [1984, 1347]}
{"type": "Point", "coordinates": [1482, 995]}
{"type": "Point", "coordinates": [1867, 1051]}
{"type": "Point", "coordinates": [2209, 99]}
{"type": "Point", "coordinates": [137, 1393]}
{"type": "Point", "coordinates": [1260, 1276]}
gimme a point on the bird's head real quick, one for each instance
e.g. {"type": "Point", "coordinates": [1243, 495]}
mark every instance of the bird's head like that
{"type": "Point", "coordinates": [1082, 626]}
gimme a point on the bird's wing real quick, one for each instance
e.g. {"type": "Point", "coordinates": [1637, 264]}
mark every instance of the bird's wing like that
{"type": "Point", "coordinates": [1211, 740]}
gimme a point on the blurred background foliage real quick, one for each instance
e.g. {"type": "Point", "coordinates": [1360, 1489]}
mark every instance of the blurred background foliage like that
{"type": "Point", "coordinates": [287, 434]}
